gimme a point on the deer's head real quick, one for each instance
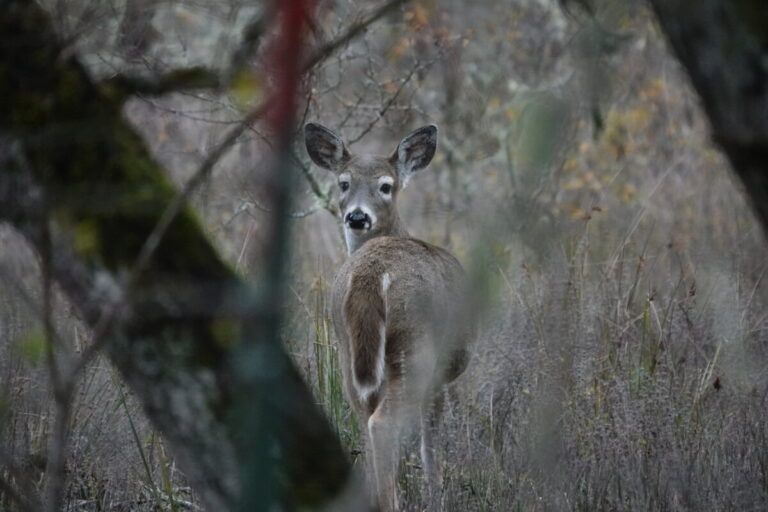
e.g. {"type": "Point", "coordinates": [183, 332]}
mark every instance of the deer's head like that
{"type": "Point", "coordinates": [368, 184]}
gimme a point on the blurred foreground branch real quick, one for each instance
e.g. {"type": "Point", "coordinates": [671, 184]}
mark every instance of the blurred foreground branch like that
{"type": "Point", "coordinates": [177, 80]}
{"type": "Point", "coordinates": [79, 183]}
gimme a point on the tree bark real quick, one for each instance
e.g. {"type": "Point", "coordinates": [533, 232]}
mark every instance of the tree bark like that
{"type": "Point", "coordinates": [723, 44]}
{"type": "Point", "coordinates": [72, 165]}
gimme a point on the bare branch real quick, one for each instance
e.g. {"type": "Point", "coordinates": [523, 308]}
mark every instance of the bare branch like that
{"type": "Point", "coordinates": [202, 78]}
{"type": "Point", "coordinates": [325, 51]}
{"type": "Point", "coordinates": [383, 109]}
{"type": "Point", "coordinates": [323, 197]}
{"type": "Point", "coordinates": [293, 215]}
{"type": "Point", "coordinates": [177, 80]}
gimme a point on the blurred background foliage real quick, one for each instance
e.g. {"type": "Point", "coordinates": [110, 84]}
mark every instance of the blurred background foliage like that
{"type": "Point", "coordinates": [621, 361]}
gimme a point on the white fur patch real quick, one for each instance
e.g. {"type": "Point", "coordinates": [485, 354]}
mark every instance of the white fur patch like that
{"type": "Point", "coordinates": [386, 180]}
{"type": "Point", "coordinates": [364, 391]}
{"type": "Point", "coordinates": [385, 282]}
{"type": "Point", "coordinates": [405, 165]}
{"type": "Point", "coordinates": [351, 237]}
{"type": "Point", "coordinates": [405, 177]}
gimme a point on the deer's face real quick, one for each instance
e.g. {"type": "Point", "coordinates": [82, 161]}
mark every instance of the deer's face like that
{"type": "Point", "coordinates": [367, 192]}
{"type": "Point", "coordinates": [368, 185]}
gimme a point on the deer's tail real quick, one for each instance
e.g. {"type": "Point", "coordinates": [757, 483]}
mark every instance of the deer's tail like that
{"type": "Point", "coordinates": [365, 312]}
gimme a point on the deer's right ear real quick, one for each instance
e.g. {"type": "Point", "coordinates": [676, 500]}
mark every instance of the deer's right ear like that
{"type": "Point", "coordinates": [325, 148]}
{"type": "Point", "coordinates": [415, 152]}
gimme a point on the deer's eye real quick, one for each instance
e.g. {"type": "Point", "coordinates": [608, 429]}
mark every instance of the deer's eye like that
{"type": "Point", "coordinates": [385, 188]}
{"type": "Point", "coordinates": [344, 186]}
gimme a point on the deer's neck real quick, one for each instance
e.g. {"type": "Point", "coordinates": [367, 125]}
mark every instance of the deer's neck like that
{"type": "Point", "coordinates": [356, 240]}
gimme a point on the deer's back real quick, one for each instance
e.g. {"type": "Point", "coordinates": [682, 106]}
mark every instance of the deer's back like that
{"type": "Point", "coordinates": [424, 295]}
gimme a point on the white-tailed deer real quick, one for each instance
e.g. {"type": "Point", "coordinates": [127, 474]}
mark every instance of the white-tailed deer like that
{"type": "Point", "coordinates": [399, 304]}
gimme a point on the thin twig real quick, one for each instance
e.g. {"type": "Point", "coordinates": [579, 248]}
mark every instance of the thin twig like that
{"type": "Point", "coordinates": [323, 197]}
{"type": "Point", "coordinates": [294, 215]}
{"type": "Point", "coordinates": [350, 34]}
{"type": "Point", "coordinates": [180, 79]}
{"type": "Point", "coordinates": [385, 107]}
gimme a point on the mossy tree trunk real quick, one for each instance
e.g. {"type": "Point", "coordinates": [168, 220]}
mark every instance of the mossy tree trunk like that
{"type": "Point", "coordinates": [80, 184]}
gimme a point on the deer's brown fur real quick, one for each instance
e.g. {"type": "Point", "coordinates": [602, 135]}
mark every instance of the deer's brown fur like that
{"type": "Point", "coordinates": [399, 304]}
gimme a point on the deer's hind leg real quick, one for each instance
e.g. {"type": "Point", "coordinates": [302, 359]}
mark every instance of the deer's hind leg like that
{"type": "Point", "coordinates": [384, 426]}
{"type": "Point", "coordinates": [400, 407]}
{"type": "Point", "coordinates": [431, 412]}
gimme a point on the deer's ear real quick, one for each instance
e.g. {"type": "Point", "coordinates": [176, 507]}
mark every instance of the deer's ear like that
{"type": "Point", "coordinates": [415, 152]}
{"type": "Point", "coordinates": [325, 148]}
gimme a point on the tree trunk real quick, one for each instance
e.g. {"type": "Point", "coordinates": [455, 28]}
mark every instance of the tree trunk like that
{"type": "Point", "coordinates": [723, 45]}
{"type": "Point", "coordinates": [72, 168]}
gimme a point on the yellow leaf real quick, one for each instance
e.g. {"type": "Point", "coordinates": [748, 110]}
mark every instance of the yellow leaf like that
{"type": "Point", "coordinates": [637, 118]}
{"type": "Point", "coordinates": [579, 214]}
{"type": "Point", "coordinates": [418, 17]}
{"type": "Point", "coordinates": [185, 15]}
{"type": "Point", "coordinates": [573, 184]}
{"type": "Point", "coordinates": [400, 48]}
{"type": "Point", "coordinates": [570, 164]}
{"type": "Point", "coordinates": [653, 90]}
{"type": "Point", "coordinates": [628, 192]}
{"type": "Point", "coordinates": [246, 88]}
{"type": "Point", "coordinates": [86, 237]}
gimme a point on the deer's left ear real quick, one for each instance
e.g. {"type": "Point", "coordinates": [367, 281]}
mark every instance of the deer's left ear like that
{"type": "Point", "coordinates": [325, 148]}
{"type": "Point", "coordinates": [415, 152]}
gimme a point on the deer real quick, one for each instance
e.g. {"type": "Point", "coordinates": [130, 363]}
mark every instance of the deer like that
{"type": "Point", "coordinates": [398, 304]}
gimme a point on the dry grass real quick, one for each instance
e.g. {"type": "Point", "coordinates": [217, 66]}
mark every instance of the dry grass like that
{"type": "Point", "coordinates": [621, 363]}
{"type": "Point", "coordinates": [622, 383]}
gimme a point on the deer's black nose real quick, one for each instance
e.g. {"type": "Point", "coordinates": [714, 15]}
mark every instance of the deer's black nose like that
{"type": "Point", "coordinates": [358, 220]}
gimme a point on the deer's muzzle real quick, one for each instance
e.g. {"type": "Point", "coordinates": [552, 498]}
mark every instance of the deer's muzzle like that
{"type": "Point", "coordinates": [358, 220]}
